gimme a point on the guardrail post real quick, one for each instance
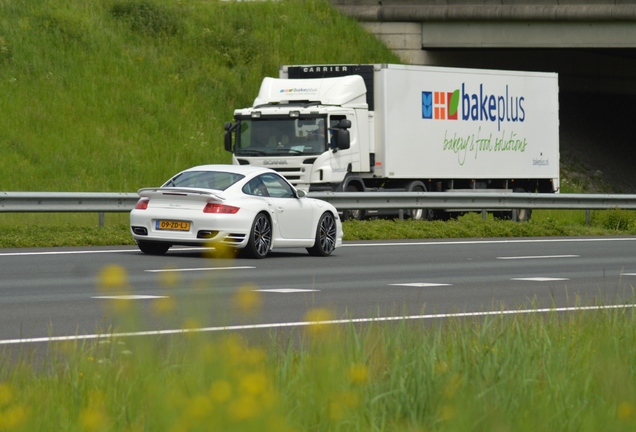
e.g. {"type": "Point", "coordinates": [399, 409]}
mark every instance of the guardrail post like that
{"type": "Point", "coordinates": [484, 214]}
{"type": "Point", "coordinates": [587, 217]}
{"type": "Point", "coordinates": [101, 219]}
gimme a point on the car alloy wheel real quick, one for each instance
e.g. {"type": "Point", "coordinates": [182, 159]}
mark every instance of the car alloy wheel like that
{"type": "Point", "coordinates": [260, 241]}
{"type": "Point", "coordinates": [325, 236]}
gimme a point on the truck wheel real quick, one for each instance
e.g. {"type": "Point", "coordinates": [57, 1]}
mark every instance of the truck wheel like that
{"type": "Point", "coordinates": [418, 213]}
{"type": "Point", "coordinates": [352, 214]}
{"type": "Point", "coordinates": [326, 232]}
{"type": "Point", "coordinates": [524, 214]}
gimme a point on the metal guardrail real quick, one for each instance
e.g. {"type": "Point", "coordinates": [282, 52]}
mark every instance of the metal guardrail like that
{"type": "Point", "coordinates": [75, 202]}
{"type": "Point", "coordinates": [474, 201]}
{"type": "Point", "coordinates": [96, 202]}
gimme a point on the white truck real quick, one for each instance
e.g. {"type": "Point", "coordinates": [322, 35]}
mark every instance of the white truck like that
{"type": "Point", "coordinates": [387, 127]}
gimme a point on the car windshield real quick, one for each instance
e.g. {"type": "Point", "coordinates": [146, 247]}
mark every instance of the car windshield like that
{"type": "Point", "coordinates": [281, 137]}
{"type": "Point", "coordinates": [218, 180]}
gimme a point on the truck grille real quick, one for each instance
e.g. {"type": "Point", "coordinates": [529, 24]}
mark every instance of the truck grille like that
{"type": "Point", "coordinates": [289, 173]}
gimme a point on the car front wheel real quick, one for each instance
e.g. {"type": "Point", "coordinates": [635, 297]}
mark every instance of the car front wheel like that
{"type": "Point", "coordinates": [260, 241]}
{"type": "Point", "coordinates": [325, 236]}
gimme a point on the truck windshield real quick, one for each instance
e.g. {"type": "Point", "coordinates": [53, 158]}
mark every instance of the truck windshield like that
{"type": "Point", "coordinates": [281, 137]}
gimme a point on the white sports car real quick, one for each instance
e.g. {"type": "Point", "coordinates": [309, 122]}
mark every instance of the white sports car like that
{"type": "Point", "coordinates": [239, 206]}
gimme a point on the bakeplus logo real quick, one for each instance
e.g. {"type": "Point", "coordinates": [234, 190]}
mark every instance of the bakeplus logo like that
{"type": "Point", "coordinates": [440, 105]}
{"type": "Point", "coordinates": [470, 105]}
{"type": "Point", "coordinates": [299, 90]}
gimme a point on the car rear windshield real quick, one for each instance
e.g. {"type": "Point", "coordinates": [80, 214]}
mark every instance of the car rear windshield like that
{"type": "Point", "coordinates": [218, 180]}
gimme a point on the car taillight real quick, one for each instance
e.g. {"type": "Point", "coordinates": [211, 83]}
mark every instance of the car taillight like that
{"type": "Point", "coordinates": [142, 204]}
{"type": "Point", "coordinates": [220, 208]}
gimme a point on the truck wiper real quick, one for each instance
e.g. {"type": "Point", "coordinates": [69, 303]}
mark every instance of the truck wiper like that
{"type": "Point", "coordinates": [250, 152]}
{"type": "Point", "coordinates": [284, 152]}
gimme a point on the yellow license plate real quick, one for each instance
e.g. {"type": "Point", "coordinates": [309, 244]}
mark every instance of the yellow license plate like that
{"type": "Point", "coordinates": [173, 225]}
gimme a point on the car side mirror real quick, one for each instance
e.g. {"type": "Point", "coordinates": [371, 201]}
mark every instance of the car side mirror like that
{"type": "Point", "coordinates": [301, 193]}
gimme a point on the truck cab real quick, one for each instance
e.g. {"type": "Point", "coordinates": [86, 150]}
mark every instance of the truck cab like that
{"type": "Point", "coordinates": [307, 130]}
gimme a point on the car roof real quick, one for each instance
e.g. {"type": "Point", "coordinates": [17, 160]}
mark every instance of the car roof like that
{"type": "Point", "coordinates": [237, 169]}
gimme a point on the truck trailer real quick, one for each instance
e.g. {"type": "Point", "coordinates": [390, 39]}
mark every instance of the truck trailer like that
{"type": "Point", "coordinates": [389, 127]}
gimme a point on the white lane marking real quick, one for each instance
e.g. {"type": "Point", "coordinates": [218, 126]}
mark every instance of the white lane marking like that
{"type": "Point", "coordinates": [286, 290]}
{"type": "Point", "coordinates": [200, 269]}
{"type": "Point", "coordinates": [421, 284]}
{"type": "Point", "coordinates": [91, 251]}
{"type": "Point", "coordinates": [629, 274]}
{"type": "Point", "coordinates": [538, 257]}
{"type": "Point", "coordinates": [463, 242]}
{"type": "Point", "coordinates": [540, 279]}
{"type": "Point", "coordinates": [308, 323]}
{"type": "Point", "coordinates": [130, 297]}
{"type": "Point", "coordinates": [435, 243]}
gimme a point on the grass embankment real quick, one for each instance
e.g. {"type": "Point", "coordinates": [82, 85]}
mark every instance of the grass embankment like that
{"type": "Point", "coordinates": [115, 95]}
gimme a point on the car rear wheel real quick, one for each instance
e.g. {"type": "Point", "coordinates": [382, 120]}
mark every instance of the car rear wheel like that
{"type": "Point", "coordinates": [260, 241]}
{"type": "Point", "coordinates": [325, 236]}
{"type": "Point", "coordinates": [153, 248]}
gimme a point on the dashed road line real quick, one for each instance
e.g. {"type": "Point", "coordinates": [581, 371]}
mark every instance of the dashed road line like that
{"type": "Point", "coordinates": [540, 279]}
{"type": "Point", "coordinates": [130, 297]}
{"type": "Point", "coordinates": [537, 257]}
{"type": "Point", "coordinates": [285, 290]}
{"type": "Point", "coordinates": [199, 269]}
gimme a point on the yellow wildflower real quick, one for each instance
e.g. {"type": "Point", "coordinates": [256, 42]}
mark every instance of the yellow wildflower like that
{"type": "Point", "coordinates": [254, 383]}
{"type": "Point", "coordinates": [221, 391]}
{"type": "Point", "coordinates": [358, 373]}
{"type": "Point", "coordinates": [625, 410]}
{"type": "Point", "coordinates": [13, 417]}
{"type": "Point", "coordinates": [6, 394]}
{"type": "Point", "coordinates": [318, 319]}
{"type": "Point", "coordinates": [163, 305]}
{"type": "Point", "coordinates": [169, 278]}
{"type": "Point", "coordinates": [247, 299]}
{"type": "Point", "coordinates": [112, 277]}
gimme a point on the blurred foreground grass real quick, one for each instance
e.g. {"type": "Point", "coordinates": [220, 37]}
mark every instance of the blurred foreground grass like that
{"type": "Point", "coordinates": [571, 371]}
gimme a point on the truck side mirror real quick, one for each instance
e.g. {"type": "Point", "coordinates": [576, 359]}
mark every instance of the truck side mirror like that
{"type": "Point", "coordinates": [228, 136]}
{"type": "Point", "coordinates": [344, 124]}
{"type": "Point", "coordinates": [342, 138]}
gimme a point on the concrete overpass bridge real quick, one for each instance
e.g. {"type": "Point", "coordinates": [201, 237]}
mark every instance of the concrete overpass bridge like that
{"type": "Point", "coordinates": [591, 44]}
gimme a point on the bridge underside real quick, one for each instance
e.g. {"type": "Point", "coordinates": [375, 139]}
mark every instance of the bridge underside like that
{"type": "Point", "coordinates": [592, 46]}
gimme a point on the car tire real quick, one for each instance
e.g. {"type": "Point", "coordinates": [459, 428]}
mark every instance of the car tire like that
{"type": "Point", "coordinates": [260, 240]}
{"type": "Point", "coordinates": [153, 248]}
{"type": "Point", "coordinates": [326, 233]}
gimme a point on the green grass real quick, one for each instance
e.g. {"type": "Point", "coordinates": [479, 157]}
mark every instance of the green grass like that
{"type": "Point", "coordinates": [114, 95]}
{"type": "Point", "coordinates": [558, 372]}
{"type": "Point", "coordinates": [42, 230]}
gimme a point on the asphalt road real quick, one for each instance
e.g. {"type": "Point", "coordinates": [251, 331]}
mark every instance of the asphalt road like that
{"type": "Point", "coordinates": [74, 292]}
